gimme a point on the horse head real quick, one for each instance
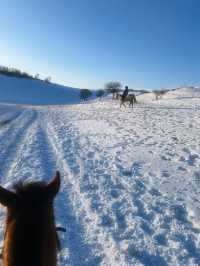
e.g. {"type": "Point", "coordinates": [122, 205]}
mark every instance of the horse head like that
{"type": "Point", "coordinates": [30, 235]}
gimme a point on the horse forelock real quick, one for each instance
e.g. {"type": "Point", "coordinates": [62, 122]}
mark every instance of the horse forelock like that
{"type": "Point", "coordinates": [31, 212]}
{"type": "Point", "coordinates": [21, 187]}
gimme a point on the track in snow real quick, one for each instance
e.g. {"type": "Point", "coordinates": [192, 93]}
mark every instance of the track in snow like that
{"type": "Point", "coordinates": [113, 199]}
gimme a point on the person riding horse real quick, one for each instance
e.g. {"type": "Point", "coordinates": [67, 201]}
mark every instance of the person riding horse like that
{"type": "Point", "coordinates": [125, 93]}
{"type": "Point", "coordinates": [127, 98]}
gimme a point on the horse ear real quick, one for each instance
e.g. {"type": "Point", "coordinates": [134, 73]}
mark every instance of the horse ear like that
{"type": "Point", "coordinates": [54, 185]}
{"type": "Point", "coordinates": [7, 198]}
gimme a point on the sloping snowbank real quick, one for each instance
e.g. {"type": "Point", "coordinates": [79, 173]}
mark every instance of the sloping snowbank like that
{"type": "Point", "coordinates": [36, 92]}
{"type": "Point", "coordinates": [186, 97]}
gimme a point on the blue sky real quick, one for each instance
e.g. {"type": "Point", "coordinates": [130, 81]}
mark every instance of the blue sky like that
{"type": "Point", "coordinates": [85, 43]}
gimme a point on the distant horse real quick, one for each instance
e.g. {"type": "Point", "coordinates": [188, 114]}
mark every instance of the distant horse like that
{"type": "Point", "coordinates": [30, 236]}
{"type": "Point", "coordinates": [131, 98]}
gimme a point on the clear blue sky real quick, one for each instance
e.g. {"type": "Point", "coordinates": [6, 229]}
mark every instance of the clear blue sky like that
{"type": "Point", "coordinates": [85, 43]}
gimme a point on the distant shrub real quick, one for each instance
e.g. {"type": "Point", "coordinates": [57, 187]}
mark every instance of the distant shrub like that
{"type": "Point", "coordinates": [47, 79]}
{"type": "Point", "coordinates": [37, 76]}
{"type": "Point", "coordinates": [144, 91]}
{"type": "Point", "coordinates": [159, 93]}
{"type": "Point", "coordinates": [13, 72]}
{"type": "Point", "coordinates": [85, 94]}
{"type": "Point", "coordinates": [100, 93]}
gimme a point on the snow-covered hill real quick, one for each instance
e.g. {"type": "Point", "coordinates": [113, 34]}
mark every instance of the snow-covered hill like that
{"type": "Point", "coordinates": [130, 192]}
{"type": "Point", "coordinates": [27, 91]}
{"type": "Point", "coordinates": [185, 93]}
{"type": "Point", "coordinates": [181, 97]}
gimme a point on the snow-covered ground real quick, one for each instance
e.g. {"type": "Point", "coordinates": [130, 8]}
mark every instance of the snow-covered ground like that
{"type": "Point", "coordinates": [130, 192]}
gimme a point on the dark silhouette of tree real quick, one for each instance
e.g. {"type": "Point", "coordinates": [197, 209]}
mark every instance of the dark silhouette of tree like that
{"type": "Point", "coordinates": [113, 87]}
{"type": "Point", "coordinates": [16, 73]}
{"type": "Point", "coordinates": [37, 76]}
{"type": "Point", "coordinates": [47, 79]}
{"type": "Point", "coordinates": [159, 93]}
{"type": "Point", "coordinates": [13, 72]}
{"type": "Point", "coordinates": [100, 93]}
{"type": "Point", "coordinates": [85, 94]}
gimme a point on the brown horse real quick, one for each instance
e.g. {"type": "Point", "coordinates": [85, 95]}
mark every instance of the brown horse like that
{"type": "Point", "coordinates": [30, 236]}
{"type": "Point", "coordinates": [131, 98]}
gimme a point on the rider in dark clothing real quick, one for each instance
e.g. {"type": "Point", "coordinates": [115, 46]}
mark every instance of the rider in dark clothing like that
{"type": "Point", "coordinates": [125, 93]}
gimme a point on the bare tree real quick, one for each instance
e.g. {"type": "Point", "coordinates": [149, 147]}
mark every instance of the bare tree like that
{"type": "Point", "coordinates": [113, 87]}
{"type": "Point", "coordinates": [100, 93]}
{"type": "Point", "coordinates": [47, 79]}
{"type": "Point", "coordinates": [159, 93]}
{"type": "Point", "coordinates": [37, 76]}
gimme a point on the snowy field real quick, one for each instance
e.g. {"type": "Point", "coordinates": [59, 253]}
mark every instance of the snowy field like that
{"type": "Point", "coordinates": [130, 192]}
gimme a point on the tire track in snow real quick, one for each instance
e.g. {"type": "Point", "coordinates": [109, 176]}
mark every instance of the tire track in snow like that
{"type": "Point", "coordinates": [6, 131]}
{"type": "Point", "coordinates": [23, 151]}
{"type": "Point", "coordinates": [8, 115]}
{"type": "Point", "coordinates": [103, 190]}
{"type": "Point", "coordinates": [14, 136]}
{"type": "Point", "coordinates": [102, 242]}
{"type": "Point", "coordinates": [150, 212]}
{"type": "Point", "coordinates": [171, 237]}
{"type": "Point", "coordinates": [35, 160]}
{"type": "Point", "coordinates": [103, 185]}
{"type": "Point", "coordinates": [32, 162]}
{"type": "Point", "coordinates": [76, 251]}
{"type": "Point", "coordinates": [39, 162]}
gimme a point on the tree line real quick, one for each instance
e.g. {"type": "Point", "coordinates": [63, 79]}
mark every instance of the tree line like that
{"type": "Point", "coordinates": [16, 73]}
{"type": "Point", "coordinates": [110, 87]}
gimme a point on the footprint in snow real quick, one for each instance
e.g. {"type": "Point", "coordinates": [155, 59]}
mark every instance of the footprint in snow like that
{"type": "Point", "coordinates": [188, 244]}
{"type": "Point", "coordinates": [182, 159]}
{"type": "Point", "coordinates": [186, 150]}
{"type": "Point", "coordinates": [115, 193]}
{"type": "Point", "coordinates": [144, 257]}
{"type": "Point", "coordinates": [160, 239]}
{"type": "Point", "coordinates": [197, 178]}
{"type": "Point", "coordinates": [106, 221]}
{"type": "Point", "coordinates": [165, 174]}
{"type": "Point", "coordinates": [179, 212]}
{"type": "Point", "coordinates": [180, 168]}
{"type": "Point", "coordinates": [154, 192]}
{"type": "Point", "coordinates": [192, 159]}
{"type": "Point", "coordinates": [165, 158]}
